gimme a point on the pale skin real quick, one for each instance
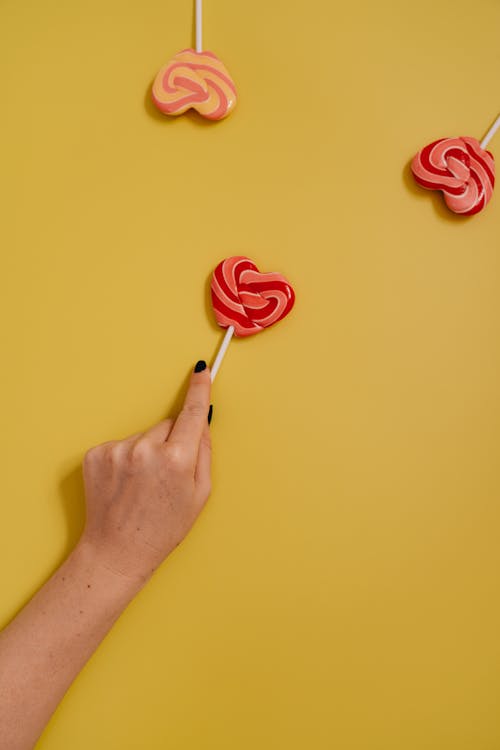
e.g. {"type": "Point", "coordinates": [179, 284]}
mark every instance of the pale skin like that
{"type": "Point", "coordinates": [143, 495]}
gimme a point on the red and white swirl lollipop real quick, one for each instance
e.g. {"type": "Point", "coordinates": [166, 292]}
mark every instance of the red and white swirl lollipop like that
{"type": "Point", "coordinates": [246, 301]}
{"type": "Point", "coordinates": [461, 168]}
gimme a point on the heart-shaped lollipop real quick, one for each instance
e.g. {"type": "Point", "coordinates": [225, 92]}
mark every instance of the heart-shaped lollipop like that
{"type": "Point", "coordinates": [461, 168]}
{"type": "Point", "coordinates": [246, 301]}
{"type": "Point", "coordinates": [195, 79]}
{"type": "Point", "coordinates": [198, 80]}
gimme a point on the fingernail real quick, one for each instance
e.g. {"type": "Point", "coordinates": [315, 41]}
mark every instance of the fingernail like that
{"type": "Point", "coordinates": [210, 412]}
{"type": "Point", "coordinates": [200, 365]}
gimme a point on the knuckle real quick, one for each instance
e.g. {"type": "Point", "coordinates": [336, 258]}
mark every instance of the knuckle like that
{"type": "Point", "coordinates": [177, 460]}
{"type": "Point", "coordinates": [114, 453]}
{"type": "Point", "coordinates": [103, 457]}
{"type": "Point", "coordinates": [195, 408]}
{"type": "Point", "coordinates": [139, 453]}
{"type": "Point", "coordinates": [94, 455]}
{"type": "Point", "coordinates": [90, 455]}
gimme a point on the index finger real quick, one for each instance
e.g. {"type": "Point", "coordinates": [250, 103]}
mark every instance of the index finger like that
{"type": "Point", "coordinates": [188, 428]}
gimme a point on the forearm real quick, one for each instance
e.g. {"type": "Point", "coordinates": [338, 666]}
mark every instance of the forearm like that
{"type": "Point", "coordinates": [143, 494]}
{"type": "Point", "coordinates": [48, 643]}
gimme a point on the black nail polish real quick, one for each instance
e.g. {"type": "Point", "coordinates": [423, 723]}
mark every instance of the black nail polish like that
{"type": "Point", "coordinates": [210, 412]}
{"type": "Point", "coordinates": [200, 366]}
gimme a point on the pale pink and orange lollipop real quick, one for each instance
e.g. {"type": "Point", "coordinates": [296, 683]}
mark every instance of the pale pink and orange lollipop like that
{"type": "Point", "coordinates": [195, 79]}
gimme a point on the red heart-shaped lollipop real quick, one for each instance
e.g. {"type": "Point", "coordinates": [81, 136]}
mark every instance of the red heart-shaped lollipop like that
{"type": "Point", "coordinates": [247, 299]}
{"type": "Point", "coordinates": [461, 169]}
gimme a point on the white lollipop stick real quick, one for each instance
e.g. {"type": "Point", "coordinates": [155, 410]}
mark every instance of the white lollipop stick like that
{"type": "Point", "coordinates": [220, 354]}
{"type": "Point", "coordinates": [491, 132]}
{"type": "Point", "coordinates": [199, 46]}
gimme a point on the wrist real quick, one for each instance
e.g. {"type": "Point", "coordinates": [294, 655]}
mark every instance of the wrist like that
{"type": "Point", "coordinates": [97, 575]}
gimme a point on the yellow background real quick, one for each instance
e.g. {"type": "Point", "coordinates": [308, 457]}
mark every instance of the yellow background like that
{"type": "Point", "coordinates": [341, 588]}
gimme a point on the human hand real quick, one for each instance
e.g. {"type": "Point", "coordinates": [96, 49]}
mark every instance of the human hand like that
{"type": "Point", "coordinates": [144, 493]}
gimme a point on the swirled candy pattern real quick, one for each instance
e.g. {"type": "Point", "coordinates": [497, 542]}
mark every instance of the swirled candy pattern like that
{"type": "Point", "coordinates": [459, 167]}
{"type": "Point", "coordinates": [247, 299]}
{"type": "Point", "coordinates": [198, 80]}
